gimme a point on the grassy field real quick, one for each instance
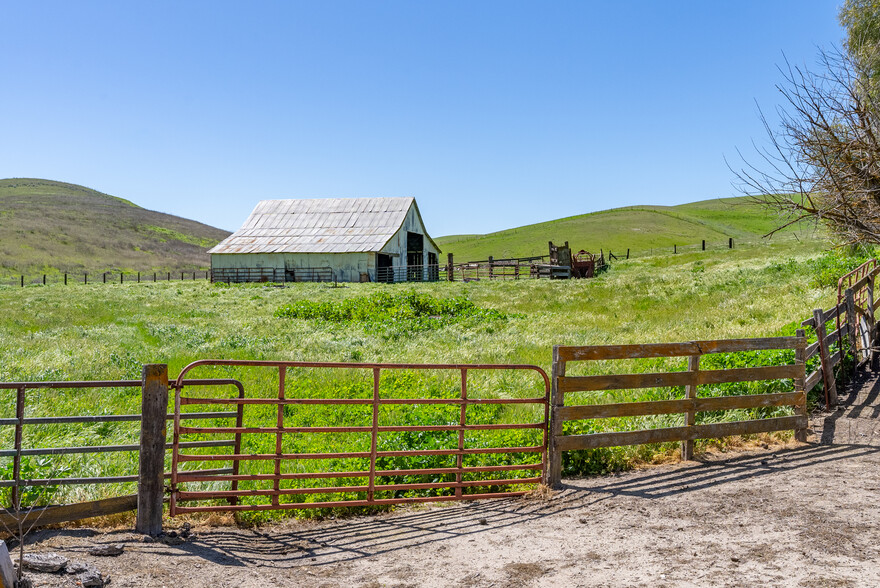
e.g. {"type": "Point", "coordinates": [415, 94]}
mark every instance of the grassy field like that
{"type": "Point", "coordinates": [109, 331]}
{"type": "Point", "coordinates": [51, 227]}
{"type": "Point", "coordinates": [645, 230]}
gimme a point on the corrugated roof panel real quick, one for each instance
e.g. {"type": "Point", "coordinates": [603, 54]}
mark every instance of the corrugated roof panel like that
{"type": "Point", "coordinates": [334, 225]}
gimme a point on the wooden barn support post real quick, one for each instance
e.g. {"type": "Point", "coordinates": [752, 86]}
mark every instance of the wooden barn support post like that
{"type": "Point", "coordinates": [450, 272]}
{"type": "Point", "coordinates": [687, 447]}
{"type": "Point", "coordinates": [852, 322]}
{"type": "Point", "coordinates": [800, 359]}
{"type": "Point", "coordinates": [557, 401]}
{"type": "Point", "coordinates": [825, 359]}
{"type": "Point", "coordinates": [154, 407]}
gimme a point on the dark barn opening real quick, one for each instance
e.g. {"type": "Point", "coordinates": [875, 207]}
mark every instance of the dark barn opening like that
{"type": "Point", "coordinates": [415, 248]}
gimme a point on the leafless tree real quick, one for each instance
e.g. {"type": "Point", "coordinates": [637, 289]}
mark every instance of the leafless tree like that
{"type": "Point", "coordinates": [823, 159]}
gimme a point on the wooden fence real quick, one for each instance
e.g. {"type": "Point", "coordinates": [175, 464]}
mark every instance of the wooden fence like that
{"type": "Point", "coordinates": [152, 459]}
{"type": "Point", "coordinates": [848, 326]}
{"type": "Point", "coordinates": [690, 405]}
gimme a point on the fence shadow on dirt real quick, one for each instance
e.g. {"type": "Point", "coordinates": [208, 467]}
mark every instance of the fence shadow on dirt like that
{"type": "Point", "coordinates": [318, 544]}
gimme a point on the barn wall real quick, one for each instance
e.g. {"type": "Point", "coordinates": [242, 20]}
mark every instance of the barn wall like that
{"type": "Point", "coordinates": [397, 245]}
{"type": "Point", "coordinates": [347, 267]}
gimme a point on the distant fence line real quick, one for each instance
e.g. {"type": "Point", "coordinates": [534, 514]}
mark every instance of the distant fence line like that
{"type": "Point", "coordinates": [490, 268]}
{"type": "Point", "coordinates": [69, 278]}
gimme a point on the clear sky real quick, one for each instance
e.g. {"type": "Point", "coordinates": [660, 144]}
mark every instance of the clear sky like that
{"type": "Point", "coordinates": [493, 114]}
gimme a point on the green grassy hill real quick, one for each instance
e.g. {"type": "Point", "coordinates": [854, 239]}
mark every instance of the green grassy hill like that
{"type": "Point", "coordinates": [638, 228]}
{"type": "Point", "coordinates": [50, 227]}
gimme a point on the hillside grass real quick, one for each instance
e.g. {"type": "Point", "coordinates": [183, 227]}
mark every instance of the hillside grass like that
{"type": "Point", "coordinates": [644, 230]}
{"type": "Point", "coordinates": [108, 331]}
{"type": "Point", "coordinates": [49, 227]}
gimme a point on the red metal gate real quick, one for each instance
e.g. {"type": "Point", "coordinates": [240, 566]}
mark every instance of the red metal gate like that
{"type": "Point", "coordinates": [451, 482]}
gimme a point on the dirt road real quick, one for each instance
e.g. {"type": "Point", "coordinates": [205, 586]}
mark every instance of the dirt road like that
{"type": "Point", "coordinates": [805, 516]}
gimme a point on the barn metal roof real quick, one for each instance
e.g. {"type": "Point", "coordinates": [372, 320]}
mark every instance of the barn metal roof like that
{"type": "Point", "coordinates": [326, 225]}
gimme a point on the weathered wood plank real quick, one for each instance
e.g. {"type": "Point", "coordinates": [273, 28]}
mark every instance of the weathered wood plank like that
{"type": "Point", "coordinates": [811, 350]}
{"type": "Point", "coordinates": [813, 379]}
{"type": "Point", "coordinates": [711, 431]}
{"type": "Point", "coordinates": [670, 379]}
{"type": "Point", "coordinates": [625, 381]}
{"type": "Point", "coordinates": [599, 352]}
{"type": "Point", "coordinates": [53, 515]}
{"type": "Point", "coordinates": [630, 409]}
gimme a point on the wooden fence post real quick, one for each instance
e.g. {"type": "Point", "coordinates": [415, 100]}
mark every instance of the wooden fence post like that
{"type": "Point", "coordinates": [825, 359]}
{"type": "Point", "coordinates": [687, 447]}
{"type": "Point", "coordinates": [154, 408]}
{"type": "Point", "coordinates": [800, 355]}
{"type": "Point", "coordinates": [557, 401]}
{"type": "Point", "coordinates": [491, 267]}
{"type": "Point", "coordinates": [872, 325]}
{"type": "Point", "coordinates": [852, 322]}
{"type": "Point", "coordinates": [450, 273]}
{"type": "Point", "coordinates": [704, 244]}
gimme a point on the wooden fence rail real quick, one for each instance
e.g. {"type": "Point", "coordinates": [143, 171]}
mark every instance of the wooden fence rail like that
{"type": "Point", "coordinates": [690, 405]}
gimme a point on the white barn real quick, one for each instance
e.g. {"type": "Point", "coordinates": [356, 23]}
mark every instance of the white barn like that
{"type": "Point", "coordinates": [342, 239]}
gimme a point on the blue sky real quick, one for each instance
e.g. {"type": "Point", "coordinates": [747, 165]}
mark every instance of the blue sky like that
{"type": "Point", "coordinates": [492, 114]}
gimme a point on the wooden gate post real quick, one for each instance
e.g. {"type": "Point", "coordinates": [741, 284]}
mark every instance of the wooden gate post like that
{"type": "Point", "coordinates": [825, 359]}
{"type": "Point", "coordinates": [852, 323]}
{"type": "Point", "coordinates": [450, 274]}
{"type": "Point", "coordinates": [154, 407]}
{"type": "Point", "coordinates": [800, 359]}
{"type": "Point", "coordinates": [557, 401]}
{"type": "Point", "coordinates": [687, 447]}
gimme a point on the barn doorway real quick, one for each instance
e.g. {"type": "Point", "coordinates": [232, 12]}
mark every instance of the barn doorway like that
{"type": "Point", "coordinates": [415, 250]}
{"type": "Point", "coordinates": [384, 271]}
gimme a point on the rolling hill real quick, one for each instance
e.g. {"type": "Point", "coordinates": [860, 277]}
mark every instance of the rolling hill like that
{"type": "Point", "coordinates": [642, 229]}
{"type": "Point", "coordinates": [49, 227]}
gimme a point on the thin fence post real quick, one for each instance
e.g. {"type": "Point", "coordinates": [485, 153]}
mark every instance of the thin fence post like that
{"type": "Point", "coordinates": [627, 253]}
{"type": "Point", "coordinates": [22, 281]}
{"type": "Point", "coordinates": [450, 272]}
{"type": "Point", "coordinates": [86, 278]}
{"type": "Point", "coordinates": [675, 248]}
{"type": "Point", "coordinates": [15, 495]}
{"type": "Point", "coordinates": [704, 244]}
{"type": "Point", "coordinates": [687, 447]}
{"type": "Point", "coordinates": [491, 267]}
{"type": "Point", "coordinates": [800, 359]}
{"type": "Point", "coordinates": [65, 279]}
{"type": "Point", "coordinates": [105, 277]}
{"type": "Point", "coordinates": [730, 243]}
{"type": "Point", "coordinates": [852, 326]}
{"type": "Point", "coordinates": [139, 277]}
{"type": "Point", "coordinates": [169, 276]}
{"type": "Point", "coordinates": [151, 469]}
{"type": "Point", "coordinates": [557, 401]}
{"type": "Point", "coordinates": [120, 277]}
{"type": "Point", "coordinates": [825, 359]}
{"type": "Point", "coordinates": [44, 279]}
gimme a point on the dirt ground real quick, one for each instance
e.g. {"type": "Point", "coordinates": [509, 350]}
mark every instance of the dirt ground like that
{"type": "Point", "coordinates": [800, 516]}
